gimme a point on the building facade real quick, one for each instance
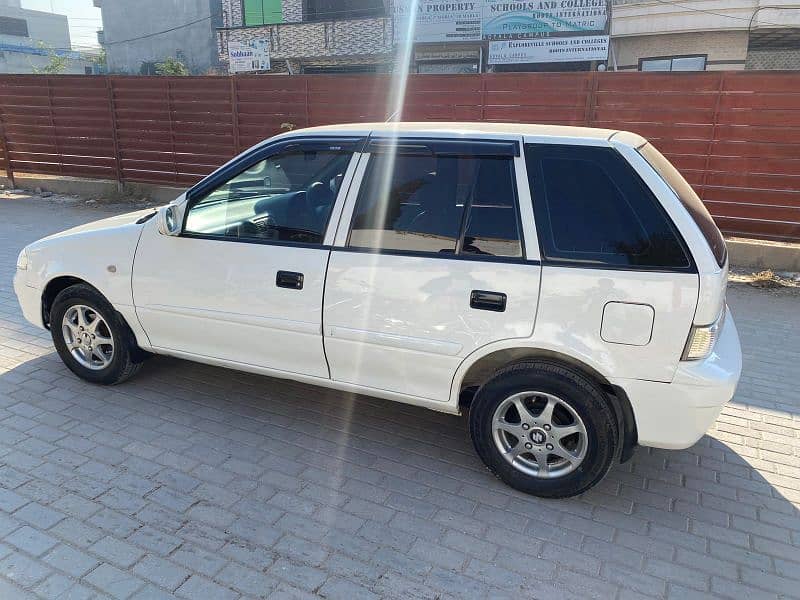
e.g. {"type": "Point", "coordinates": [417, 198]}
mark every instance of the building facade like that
{"type": "Point", "coordinates": [138, 35]}
{"type": "Point", "coordinates": [312, 36]}
{"type": "Point", "coordinates": [29, 39]}
{"type": "Point", "coordinates": [704, 35]}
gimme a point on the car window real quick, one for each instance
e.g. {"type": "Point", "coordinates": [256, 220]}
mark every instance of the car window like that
{"type": "Point", "coordinates": [689, 199]}
{"type": "Point", "coordinates": [592, 207]}
{"type": "Point", "coordinates": [438, 203]}
{"type": "Point", "coordinates": [287, 197]}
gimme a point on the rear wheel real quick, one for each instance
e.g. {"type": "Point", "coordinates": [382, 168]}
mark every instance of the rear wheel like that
{"type": "Point", "coordinates": [90, 337]}
{"type": "Point", "coordinates": [544, 429]}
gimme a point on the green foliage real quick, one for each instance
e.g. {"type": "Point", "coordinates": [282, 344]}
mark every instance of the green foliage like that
{"type": "Point", "coordinates": [171, 67]}
{"type": "Point", "coordinates": [101, 60]}
{"type": "Point", "coordinates": [55, 65]}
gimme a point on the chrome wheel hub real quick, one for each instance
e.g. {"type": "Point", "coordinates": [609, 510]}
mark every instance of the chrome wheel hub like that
{"type": "Point", "coordinates": [88, 337]}
{"type": "Point", "coordinates": [539, 434]}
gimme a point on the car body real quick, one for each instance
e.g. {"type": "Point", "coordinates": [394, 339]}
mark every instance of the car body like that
{"type": "Point", "coordinates": [414, 261]}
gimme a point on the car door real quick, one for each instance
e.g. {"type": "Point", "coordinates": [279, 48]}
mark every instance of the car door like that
{"type": "Point", "coordinates": [429, 264]}
{"type": "Point", "coordinates": [243, 282]}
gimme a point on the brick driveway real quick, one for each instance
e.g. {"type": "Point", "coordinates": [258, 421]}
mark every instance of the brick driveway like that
{"type": "Point", "coordinates": [206, 483]}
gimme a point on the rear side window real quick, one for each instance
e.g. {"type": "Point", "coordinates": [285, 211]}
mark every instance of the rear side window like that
{"type": "Point", "coordinates": [591, 207]}
{"type": "Point", "coordinates": [435, 203]}
{"type": "Point", "coordinates": [689, 199]}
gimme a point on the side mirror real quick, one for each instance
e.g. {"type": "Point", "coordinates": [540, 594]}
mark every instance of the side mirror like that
{"type": "Point", "coordinates": [169, 220]}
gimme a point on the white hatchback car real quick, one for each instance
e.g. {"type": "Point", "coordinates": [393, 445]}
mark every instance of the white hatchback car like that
{"type": "Point", "coordinates": [564, 285]}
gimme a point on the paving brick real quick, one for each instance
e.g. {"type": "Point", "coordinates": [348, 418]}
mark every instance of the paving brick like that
{"type": "Point", "coordinates": [435, 554]}
{"type": "Point", "coordinates": [23, 570]}
{"type": "Point", "coordinates": [341, 589]}
{"type": "Point", "coordinates": [31, 540]}
{"type": "Point", "coordinates": [155, 540]}
{"type": "Point", "coordinates": [198, 586]}
{"type": "Point", "coordinates": [111, 580]}
{"type": "Point", "coordinates": [301, 550]}
{"type": "Point", "coordinates": [305, 577]}
{"type": "Point", "coordinates": [115, 551]}
{"type": "Point", "coordinates": [247, 580]}
{"type": "Point", "coordinates": [161, 572]}
{"type": "Point", "coordinates": [38, 515]}
{"type": "Point", "coordinates": [197, 560]}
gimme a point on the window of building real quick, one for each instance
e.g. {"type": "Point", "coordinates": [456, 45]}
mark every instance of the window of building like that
{"type": "Point", "coordinates": [591, 207]}
{"type": "Point", "coordinates": [11, 26]}
{"type": "Point", "coordinates": [287, 197]}
{"type": "Point", "coordinates": [428, 203]}
{"type": "Point", "coordinates": [329, 10]}
{"type": "Point", "coordinates": [262, 12]}
{"type": "Point", "coordinates": [455, 67]}
{"type": "Point", "coordinates": [674, 63]}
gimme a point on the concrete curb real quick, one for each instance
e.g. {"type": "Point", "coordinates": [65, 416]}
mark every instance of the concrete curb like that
{"type": "Point", "coordinates": [94, 188]}
{"type": "Point", "coordinates": [762, 254]}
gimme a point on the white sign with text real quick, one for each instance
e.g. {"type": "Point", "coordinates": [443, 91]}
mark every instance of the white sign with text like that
{"type": "Point", "coordinates": [247, 57]}
{"type": "Point", "coordinates": [545, 50]}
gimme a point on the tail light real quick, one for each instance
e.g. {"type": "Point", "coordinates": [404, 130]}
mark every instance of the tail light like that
{"type": "Point", "coordinates": [702, 338]}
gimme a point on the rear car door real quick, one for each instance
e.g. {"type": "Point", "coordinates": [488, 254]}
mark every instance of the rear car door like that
{"type": "Point", "coordinates": [430, 263]}
{"type": "Point", "coordinates": [619, 285]}
{"type": "Point", "coordinates": [243, 283]}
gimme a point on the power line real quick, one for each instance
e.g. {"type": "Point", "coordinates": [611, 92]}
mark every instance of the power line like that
{"type": "Point", "coordinates": [718, 14]}
{"type": "Point", "coordinates": [149, 35]}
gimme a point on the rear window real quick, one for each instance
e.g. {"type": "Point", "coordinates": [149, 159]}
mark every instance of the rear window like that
{"type": "Point", "coordinates": [689, 199]}
{"type": "Point", "coordinates": [591, 207]}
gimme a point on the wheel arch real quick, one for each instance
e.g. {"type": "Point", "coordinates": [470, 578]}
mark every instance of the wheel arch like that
{"type": "Point", "coordinates": [54, 287]}
{"type": "Point", "coordinates": [58, 284]}
{"type": "Point", "coordinates": [473, 373]}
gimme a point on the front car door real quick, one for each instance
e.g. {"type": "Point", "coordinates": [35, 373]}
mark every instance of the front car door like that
{"type": "Point", "coordinates": [430, 263]}
{"type": "Point", "coordinates": [243, 283]}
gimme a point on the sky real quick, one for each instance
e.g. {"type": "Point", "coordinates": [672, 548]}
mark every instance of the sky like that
{"type": "Point", "coordinates": [84, 18]}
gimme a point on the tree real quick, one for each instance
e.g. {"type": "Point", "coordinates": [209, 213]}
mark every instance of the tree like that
{"type": "Point", "coordinates": [57, 64]}
{"type": "Point", "coordinates": [171, 67]}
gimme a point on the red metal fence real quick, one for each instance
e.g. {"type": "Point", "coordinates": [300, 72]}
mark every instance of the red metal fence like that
{"type": "Point", "coordinates": [734, 135]}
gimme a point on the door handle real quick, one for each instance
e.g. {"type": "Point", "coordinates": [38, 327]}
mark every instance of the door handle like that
{"type": "Point", "coordinates": [482, 300]}
{"type": "Point", "coordinates": [289, 280]}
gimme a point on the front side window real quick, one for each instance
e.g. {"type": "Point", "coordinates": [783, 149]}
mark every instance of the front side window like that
{"type": "Point", "coordinates": [591, 207]}
{"type": "Point", "coordinates": [428, 203]}
{"type": "Point", "coordinates": [287, 197]}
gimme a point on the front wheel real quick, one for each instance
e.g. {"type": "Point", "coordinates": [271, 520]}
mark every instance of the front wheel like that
{"type": "Point", "coordinates": [544, 429]}
{"type": "Point", "coordinates": [90, 337]}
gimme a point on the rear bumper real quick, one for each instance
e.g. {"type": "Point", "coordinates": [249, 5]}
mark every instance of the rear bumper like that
{"type": "Point", "coordinates": [675, 415]}
{"type": "Point", "coordinates": [29, 298]}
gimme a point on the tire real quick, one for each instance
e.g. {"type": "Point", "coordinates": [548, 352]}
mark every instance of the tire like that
{"type": "Point", "coordinates": [111, 363]}
{"type": "Point", "coordinates": [559, 464]}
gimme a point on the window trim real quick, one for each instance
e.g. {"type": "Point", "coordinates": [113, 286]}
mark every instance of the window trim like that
{"type": "Point", "coordinates": [671, 58]}
{"type": "Point", "coordinates": [577, 263]}
{"type": "Point", "coordinates": [247, 161]}
{"type": "Point", "coordinates": [450, 148]}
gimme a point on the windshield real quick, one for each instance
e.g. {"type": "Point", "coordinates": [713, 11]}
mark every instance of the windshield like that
{"type": "Point", "coordinates": [689, 199]}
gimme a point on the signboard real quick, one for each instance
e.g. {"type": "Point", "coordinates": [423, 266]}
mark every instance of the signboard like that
{"type": "Point", "coordinates": [438, 20]}
{"type": "Point", "coordinates": [504, 20]}
{"type": "Point", "coordinates": [248, 56]}
{"type": "Point", "coordinates": [475, 20]}
{"type": "Point", "coordinates": [553, 49]}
